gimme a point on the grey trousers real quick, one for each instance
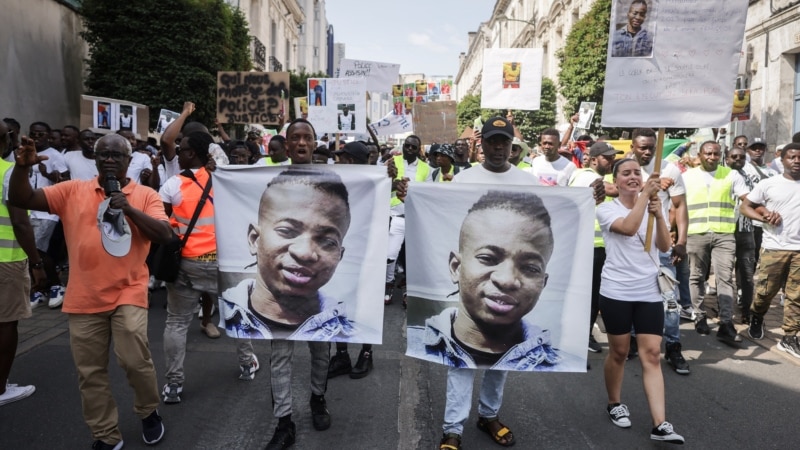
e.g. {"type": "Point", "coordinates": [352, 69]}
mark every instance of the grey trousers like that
{"type": "Point", "coordinates": [718, 250]}
{"type": "Point", "coordinates": [281, 370]}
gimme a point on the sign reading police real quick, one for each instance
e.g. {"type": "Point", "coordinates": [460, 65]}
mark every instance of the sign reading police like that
{"type": "Point", "coordinates": [251, 97]}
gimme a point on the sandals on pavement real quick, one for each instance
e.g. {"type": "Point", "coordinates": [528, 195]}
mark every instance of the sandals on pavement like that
{"type": "Point", "coordinates": [499, 433]}
{"type": "Point", "coordinates": [450, 441]}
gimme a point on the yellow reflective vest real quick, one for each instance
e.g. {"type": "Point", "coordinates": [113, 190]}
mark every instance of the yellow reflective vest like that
{"type": "Point", "coordinates": [711, 207]}
{"type": "Point", "coordinates": [10, 250]}
{"type": "Point", "coordinates": [422, 174]}
{"type": "Point", "coordinates": [598, 233]}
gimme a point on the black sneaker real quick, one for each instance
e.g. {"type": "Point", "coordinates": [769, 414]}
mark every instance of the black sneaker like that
{"type": "Point", "coordinates": [756, 330]}
{"type": "Point", "coordinates": [594, 346]}
{"type": "Point", "coordinates": [172, 393]}
{"type": "Point", "coordinates": [320, 416]}
{"type": "Point", "coordinates": [675, 358]}
{"type": "Point", "coordinates": [727, 334]}
{"type": "Point", "coordinates": [619, 414]}
{"type": "Point", "coordinates": [152, 428]}
{"type": "Point", "coordinates": [665, 433]}
{"type": "Point", "coordinates": [283, 438]}
{"type": "Point", "coordinates": [340, 364]}
{"type": "Point", "coordinates": [701, 326]}
{"type": "Point", "coordinates": [100, 445]}
{"type": "Point", "coordinates": [790, 345]}
{"type": "Point", "coordinates": [745, 317]}
{"type": "Point", "coordinates": [363, 366]}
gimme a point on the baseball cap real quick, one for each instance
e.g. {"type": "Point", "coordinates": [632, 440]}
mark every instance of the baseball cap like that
{"type": "Point", "coordinates": [497, 125]}
{"type": "Point", "coordinates": [521, 143]}
{"type": "Point", "coordinates": [355, 149]}
{"type": "Point", "coordinates": [757, 142]}
{"type": "Point", "coordinates": [602, 149]}
{"type": "Point", "coordinates": [115, 231]}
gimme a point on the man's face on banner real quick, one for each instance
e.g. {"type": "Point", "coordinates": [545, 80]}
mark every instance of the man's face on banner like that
{"type": "Point", "coordinates": [500, 275]}
{"type": "Point", "coordinates": [298, 249]}
{"type": "Point", "coordinates": [637, 14]}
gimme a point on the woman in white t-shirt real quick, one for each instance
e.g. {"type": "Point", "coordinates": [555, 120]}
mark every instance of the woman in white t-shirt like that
{"type": "Point", "coordinates": [629, 293]}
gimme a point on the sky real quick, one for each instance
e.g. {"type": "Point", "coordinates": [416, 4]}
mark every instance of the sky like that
{"type": "Point", "coordinates": [423, 36]}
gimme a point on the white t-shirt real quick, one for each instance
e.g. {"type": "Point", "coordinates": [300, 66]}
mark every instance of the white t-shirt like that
{"type": "Point", "coordinates": [479, 174]}
{"type": "Point", "coordinates": [583, 178]}
{"type": "Point", "coordinates": [781, 195]}
{"type": "Point", "coordinates": [555, 173]}
{"type": "Point", "coordinates": [671, 171]}
{"type": "Point", "coordinates": [139, 162]}
{"type": "Point", "coordinates": [346, 121]}
{"type": "Point", "coordinates": [80, 167]}
{"type": "Point", "coordinates": [54, 163]}
{"type": "Point", "coordinates": [628, 273]}
{"type": "Point", "coordinates": [754, 176]}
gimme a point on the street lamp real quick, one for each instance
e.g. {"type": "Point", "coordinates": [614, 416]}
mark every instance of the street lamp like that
{"type": "Point", "coordinates": [504, 18]}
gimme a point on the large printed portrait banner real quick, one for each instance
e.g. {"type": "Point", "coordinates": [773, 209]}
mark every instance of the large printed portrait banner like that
{"type": "Point", "coordinates": [499, 276]}
{"type": "Point", "coordinates": [337, 105]}
{"type": "Point", "coordinates": [252, 97]}
{"type": "Point", "coordinates": [672, 64]}
{"type": "Point", "coordinates": [108, 115]}
{"type": "Point", "coordinates": [302, 251]}
{"type": "Point", "coordinates": [512, 78]}
{"type": "Point", "coordinates": [380, 76]}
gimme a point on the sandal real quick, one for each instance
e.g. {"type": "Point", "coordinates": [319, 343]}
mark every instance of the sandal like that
{"type": "Point", "coordinates": [447, 439]}
{"type": "Point", "coordinates": [503, 436]}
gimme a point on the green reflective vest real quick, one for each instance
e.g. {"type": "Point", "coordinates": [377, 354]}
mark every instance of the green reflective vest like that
{"type": "Point", "coordinates": [268, 160]}
{"type": "Point", "coordinates": [523, 165]}
{"type": "Point", "coordinates": [10, 250]}
{"type": "Point", "coordinates": [422, 174]}
{"type": "Point", "coordinates": [711, 207]}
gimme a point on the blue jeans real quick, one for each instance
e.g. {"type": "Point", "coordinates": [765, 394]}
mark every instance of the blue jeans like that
{"type": "Point", "coordinates": [459, 397]}
{"type": "Point", "coordinates": [683, 272]}
{"type": "Point", "coordinates": [672, 317]}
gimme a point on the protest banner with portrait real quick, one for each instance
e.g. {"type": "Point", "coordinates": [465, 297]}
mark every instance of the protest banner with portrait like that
{"type": "Point", "coordinates": [108, 115]}
{"type": "Point", "coordinates": [337, 105]}
{"type": "Point", "coordinates": [499, 267]}
{"type": "Point", "coordinates": [672, 66]}
{"type": "Point", "coordinates": [313, 272]}
{"type": "Point", "coordinates": [380, 76]}
{"type": "Point", "coordinates": [252, 97]}
{"type": "Point", "coordinates": [512, 78]}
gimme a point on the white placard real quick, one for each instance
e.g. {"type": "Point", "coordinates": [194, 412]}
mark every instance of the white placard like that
{"type": "Point", "coordinates": [380, 76]}
{"type": "Point", "coordinates": [344, 107]}
{"type": "Point", "coordinates": [512, 78]}
{"type": "Point", "coordinates": [678, 69]}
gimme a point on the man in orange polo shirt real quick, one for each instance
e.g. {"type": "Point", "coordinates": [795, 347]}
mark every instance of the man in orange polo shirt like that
{"type": "Point", "coordinates": [108, 233]}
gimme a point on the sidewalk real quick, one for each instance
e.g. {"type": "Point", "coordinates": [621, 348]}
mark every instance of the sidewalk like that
{"type": "Point", "coordinates": [45, 324]}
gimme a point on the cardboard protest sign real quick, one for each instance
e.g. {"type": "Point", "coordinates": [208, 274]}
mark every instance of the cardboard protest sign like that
{"type": "Point", "coordinates": [393, 124]}
{"type": "Point", "coordinates": [512, 78]}
{"type": "Point", "coordinates": [337, 105]}
{"type": "Point", "coordinates": [108, 115]}
{"type": "Point", "coordinates": [741, 105]}
{"type": "Point", "coordinates": [435, 122]}
{"type": "Point", "coordinates": [261, 233]}
{"type": "Point", "coordinates": [443, 283]}
{"type": "Point", "coordinates": [380, 76]}
{"type": "Point", "coordinates": [666, 71]}
{"type": "Point", "coordinates": [252, 97]}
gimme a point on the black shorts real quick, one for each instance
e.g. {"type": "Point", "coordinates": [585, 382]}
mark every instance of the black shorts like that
{"type": "Point", "coordinates": [620, 316]}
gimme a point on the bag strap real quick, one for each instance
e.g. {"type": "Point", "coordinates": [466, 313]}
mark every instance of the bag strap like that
{"type": "Point", "coordinates": [200, 204]}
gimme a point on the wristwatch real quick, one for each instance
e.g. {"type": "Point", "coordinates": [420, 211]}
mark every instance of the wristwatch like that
{"type": "Point", "coordinates": [38, 265]}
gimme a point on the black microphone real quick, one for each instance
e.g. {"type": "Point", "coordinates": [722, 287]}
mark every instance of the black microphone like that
{"type": "Point", "coordinates": [111, 185]}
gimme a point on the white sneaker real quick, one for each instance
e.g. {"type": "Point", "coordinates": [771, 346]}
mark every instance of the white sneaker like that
{"type": "Point", "coordinates": [15, 392]}
{"type": "Point", "coordinates": [56, 296]}
{"type": "Point", "coordinates": [665, 433]}
{"type": "Point", "coordinates": [37, 298]}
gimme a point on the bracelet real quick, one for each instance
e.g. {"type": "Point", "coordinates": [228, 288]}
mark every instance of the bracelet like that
{"type": "Point", "coordinates": [37, 265]}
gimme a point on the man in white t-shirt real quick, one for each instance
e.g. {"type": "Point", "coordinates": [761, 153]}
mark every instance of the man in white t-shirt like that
{"type": "Point", "coordinates": [756, 171]}
{"type": "Point", "coordinates": [46, 173]}
{"type": "Point", "coordinates": [140, 163]}
{"type": "Point", "coordinates": [672, 194]}
{"type": "Point", "coordinates": [776, 201]}
{"type": "Point", "coordinates": [497, 134]}
{"type": "Point", "coordinates": [81, 165]}
{"type": "Point", "coordinates": [553, 169]}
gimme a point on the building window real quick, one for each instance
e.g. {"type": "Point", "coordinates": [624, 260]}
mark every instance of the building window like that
{"type": "Point", "coordinates": [273, 37]}
{"type": "Point", "coordinates": [316, 51]}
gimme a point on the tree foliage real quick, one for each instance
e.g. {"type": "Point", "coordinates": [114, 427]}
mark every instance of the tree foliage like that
{"type": "Point", "coordinates": [161, 53]}
{"type": "Point", "coordinates": [582, 63]}
{"type": "Point", "coordinates": [529, 123]}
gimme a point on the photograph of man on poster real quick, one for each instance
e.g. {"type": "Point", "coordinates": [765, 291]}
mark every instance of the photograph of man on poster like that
{"type": "Point", "coordinates": [316, 92]}
{"type": "Point", "coordinates": [505, 243]}
{"type": "Point", "coordinates": [103, 114]}
{"type": "Point", "coordinates": [511, 75]}
{"type": "Point", "coordinates": [631, 39]}
{"type": "Point", "coordinates": [347, 119]}
{"type": "Point", "coordinates": [125, 117]}
{"type": "Point", "coordinates": [297, 252]}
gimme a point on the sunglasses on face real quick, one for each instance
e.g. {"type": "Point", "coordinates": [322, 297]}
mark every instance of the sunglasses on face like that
{"type": "Point", "coordinates": [411, 146]}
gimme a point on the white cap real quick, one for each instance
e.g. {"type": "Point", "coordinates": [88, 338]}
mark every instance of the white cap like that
{"type": "Point", "coordinates": [114, 229]}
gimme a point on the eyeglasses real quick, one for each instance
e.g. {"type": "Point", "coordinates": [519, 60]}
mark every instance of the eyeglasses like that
{"type": "Point", "coordinates": [735, 157]}
{"type": "Point", "coordinates": [116, 156]}
{"type": "Point", "coordinates": [411, 146]}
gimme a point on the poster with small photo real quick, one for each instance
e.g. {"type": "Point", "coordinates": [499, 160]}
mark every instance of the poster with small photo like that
{"type": "Point", "coordinates": [634, 28]}
{"type": "Point", "coordinates": [585, 115]}
{"type": "Point", "coordinates": [165, 118]}
{"type": "Point", "coordinates": [101, 115]}
{"type": "Point", "coordinates": [126, 119]}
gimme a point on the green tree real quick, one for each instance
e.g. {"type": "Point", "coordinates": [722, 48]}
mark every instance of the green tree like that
{"type": "Point", "coordinates": [161, 53]}
{"type": "Point", "coordinates": [582, 63]}
{"type": "Point", "coordinates": [529, 123]}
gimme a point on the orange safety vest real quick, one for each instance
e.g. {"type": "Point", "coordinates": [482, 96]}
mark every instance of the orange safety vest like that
{"type": "Point", "coordinates": [203, 238]}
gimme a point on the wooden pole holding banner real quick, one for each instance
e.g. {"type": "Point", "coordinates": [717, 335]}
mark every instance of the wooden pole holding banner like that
{"type": "Point", "coordinates": [648, 239]}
